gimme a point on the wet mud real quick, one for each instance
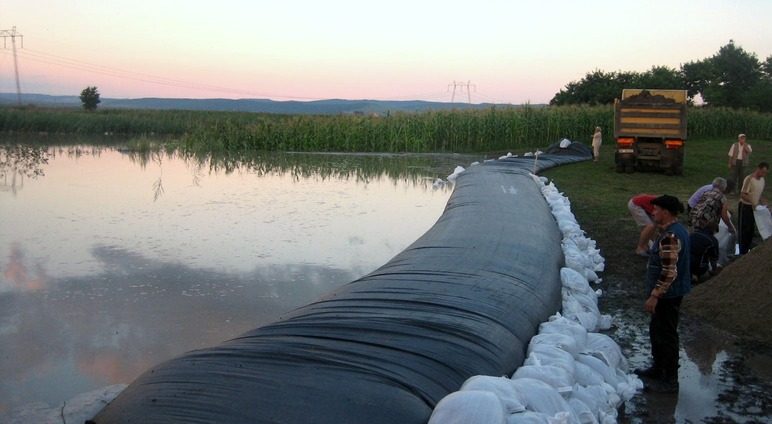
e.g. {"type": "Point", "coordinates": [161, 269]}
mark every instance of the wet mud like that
{"type": "Point", "coordinates": [723, 377]}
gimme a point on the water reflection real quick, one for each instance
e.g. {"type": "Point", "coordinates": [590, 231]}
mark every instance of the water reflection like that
{"type": "Point", "coordinates": [18, 162]}
{"type": "Point", "coordinates": [109, 327]}
{"type": "Point", "coordinates": [112, 261]}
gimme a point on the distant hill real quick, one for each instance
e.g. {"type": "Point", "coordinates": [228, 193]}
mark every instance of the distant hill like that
{"type": "Point", "coordinates": [317, 107]}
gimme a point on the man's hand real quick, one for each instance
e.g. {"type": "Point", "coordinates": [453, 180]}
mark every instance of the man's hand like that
{"type": "Point", "coordinates": [651, 304]}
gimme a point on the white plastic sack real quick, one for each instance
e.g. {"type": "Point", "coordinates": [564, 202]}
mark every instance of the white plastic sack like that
{"type": "Point", "coordinates": [501, 387]}
{"type": "Point", "coordinates": [586, 376]}
{"type": "Point", "coordinates": [541, 397]}
{"type": "Point", "coordinates": [559, 324]}
{"type": "Point", "coordinates": [608, 349]}
{"type": "Point", "coordinates": [563, 341]}
{"type": "Point", "coordinates": [598, 365]}
{"type": "Point", "coordinates": [574, 280]}
{"type": "Point", "coordinates": [582, 411]}
{"type": "Point", "coordinates": [528, 417]}
{"type": "Point", "coordinates": [542, 354]}
{"type": "Point", "coordinates": [452, 177]}
{"type": "Point", "coordinates": [726, 243]}
{"type": "Point", "coordinates": [556, 377]}
{"type": "Point", "coordinates": [468, 407]}
{"type": "Point", "coordinates": [763, 221]}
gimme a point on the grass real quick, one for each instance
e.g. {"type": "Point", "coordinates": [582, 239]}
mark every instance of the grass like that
{"type": "Point", "coordinates": [599, 195]}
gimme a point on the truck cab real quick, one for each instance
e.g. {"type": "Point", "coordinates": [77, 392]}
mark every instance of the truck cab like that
{"type": "Point", "coordinates": [650, 130]}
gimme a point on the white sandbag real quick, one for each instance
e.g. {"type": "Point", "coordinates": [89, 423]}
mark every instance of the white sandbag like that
{"type": "Point", "coordinates": [582, 412]}
{"type": "Point", "coordinates": [588, 320]}
{"type": "Point", "coordinates": [586, 376]}
{"type": "Point", "coordinates": [468, 407]}
{"type": "Point", "coordinates": [563, 341]}
{"type": "Point", "coordinates": [608, 349]}
{"type": "Point", "coordinates": [77, 409]}
{"type": "Point", "coordinates": [561, 325]}
{"type": "Point", "coordinates": [556, 377]}
{"type": "Point", "coordinates": [541, 397]}
{"type": "Point", "coordinates": [528, 417]}
{"type": "Point", "coordinates": [574, 280]}
{"type": "Point", "coordinates": [605, 322]}
{"type": "Point", "coordinates": [763, 221]}
{"type": "Point", "coordinates": [600, 399]}
{"type": "Point", "coordinates": [599, 366]}
{"type": "Point", "coordinates": [501, 387]}
{"type": "Point", "coordinates": [629, 385]}
{"type": "Point", "coordinates": [588, 299]}
{"type": "Point", "coordinates": [456, 172]}
{"type": "Point", "coordinates": [726, 243]}
{"type": "Point", "coordinates": [542, 354]}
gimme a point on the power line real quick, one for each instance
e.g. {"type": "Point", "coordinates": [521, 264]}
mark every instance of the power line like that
{"type": "Point", "coordinates": [12, 34]}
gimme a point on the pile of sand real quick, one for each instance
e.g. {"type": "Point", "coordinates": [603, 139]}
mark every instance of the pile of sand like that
{"type": "Point", "coordinates": [739, 299]}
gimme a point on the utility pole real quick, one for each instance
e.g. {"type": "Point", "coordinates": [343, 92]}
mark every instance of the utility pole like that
{"type": "Point", "coordinates": [12, 34]}
{"type": "Point", "coordinates": [457, 84]}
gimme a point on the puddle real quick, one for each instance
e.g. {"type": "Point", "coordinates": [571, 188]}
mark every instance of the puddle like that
{"type": "Point", "coordinates": [722, 379]}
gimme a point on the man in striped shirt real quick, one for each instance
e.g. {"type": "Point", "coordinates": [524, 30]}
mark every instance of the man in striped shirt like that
{"type": "Point", "coordinates": [668, 279]}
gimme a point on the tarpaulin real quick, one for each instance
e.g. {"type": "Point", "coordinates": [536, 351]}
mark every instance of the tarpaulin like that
{"type": "Point", "coordinates": [462, 300]}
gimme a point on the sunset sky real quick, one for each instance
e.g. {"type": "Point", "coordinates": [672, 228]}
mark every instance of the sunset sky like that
{"type": "Point", "coordinates": [509, 51]}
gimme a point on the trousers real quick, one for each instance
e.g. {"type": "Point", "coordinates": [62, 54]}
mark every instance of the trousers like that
{"type": "Point", "coordinates": [746, 225]}
{"type": "Point", "coordinates": [663, 334]}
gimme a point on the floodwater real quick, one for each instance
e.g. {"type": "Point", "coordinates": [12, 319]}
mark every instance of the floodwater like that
{"type": "Point", "coordinates": [722, 379]}
{"type": "Point", "coordinates": [115, 261]}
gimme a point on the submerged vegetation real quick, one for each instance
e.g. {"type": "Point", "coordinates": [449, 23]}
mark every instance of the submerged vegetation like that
{"type": "Point", "coordinates": [495, 129]}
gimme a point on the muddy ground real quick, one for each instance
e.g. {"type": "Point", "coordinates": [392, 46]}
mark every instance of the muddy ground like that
{"type": "Point", "coordinates": [725, 370]}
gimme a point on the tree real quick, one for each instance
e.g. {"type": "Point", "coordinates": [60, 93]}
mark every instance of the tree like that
{"type": "Point", "coordinates": [729, 78]}
{"type": "Point", "coordinates": [596, 88]}
{"type": "Point", "coordinates": [660, 77]}
{"type": "Point", "coordinates": [599, 87]}
{"type": "Point", "coordinates": [90, 98]}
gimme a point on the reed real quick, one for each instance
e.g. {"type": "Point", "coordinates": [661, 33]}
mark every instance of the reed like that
{"type": "Point", "coordinates": [488, 130]}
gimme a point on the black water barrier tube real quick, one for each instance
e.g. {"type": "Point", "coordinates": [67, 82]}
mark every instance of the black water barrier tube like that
{"type": "Point", "coordinates": [462, 300]}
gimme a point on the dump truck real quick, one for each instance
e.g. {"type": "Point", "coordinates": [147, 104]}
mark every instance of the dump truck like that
{"type": "Point", "coordinates": [650, 130]}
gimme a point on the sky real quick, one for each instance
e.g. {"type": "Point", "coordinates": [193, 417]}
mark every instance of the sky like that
{"type": "Point", "coordinates": [485, 51]}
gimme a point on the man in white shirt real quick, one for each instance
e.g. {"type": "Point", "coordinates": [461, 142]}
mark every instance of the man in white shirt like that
{"type": "Point", "coordinates": [750, 197]}
{"type": "Point", "coordinates": [739, 157]}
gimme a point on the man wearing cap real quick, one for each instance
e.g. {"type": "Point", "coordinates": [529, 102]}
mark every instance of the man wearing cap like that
{"type": "Point", "coordinates": [668, 279]}
{"type": "Point", "coordinates": [739, 157]}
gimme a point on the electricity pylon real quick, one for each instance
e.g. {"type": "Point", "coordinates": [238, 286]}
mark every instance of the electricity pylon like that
{"type": "Point", "coordinates": [12, 34]}
{"type": "Point", "coordinates": [466, 85]}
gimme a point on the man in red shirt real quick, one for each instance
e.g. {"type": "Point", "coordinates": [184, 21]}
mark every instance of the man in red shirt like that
{"type": "Point", "coordinates": [641, 209]}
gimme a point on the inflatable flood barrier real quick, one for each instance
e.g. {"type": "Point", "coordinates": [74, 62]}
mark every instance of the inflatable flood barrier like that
{"type": "Point", "coordinates": [462, 300]}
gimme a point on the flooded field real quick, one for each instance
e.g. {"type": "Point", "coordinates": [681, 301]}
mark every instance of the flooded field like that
{"type": "Point", "coordinates": [115, 261]}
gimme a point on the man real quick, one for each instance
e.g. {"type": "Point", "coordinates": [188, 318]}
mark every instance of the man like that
{"type": "Point", "coordinates": [711, 207]}
{"type": "Point", "coordinates": [668, 279]}
{"type": "Point", "coordinates": [640, 208]}
{"type": "Point", "coordinates": [704, 250]}
{"type": "Point", "coordinates": [697, 196]}
{"type": "Point", "coordinates": [750, 197]}
{"type": "Point", "coordinates": [739, 157]}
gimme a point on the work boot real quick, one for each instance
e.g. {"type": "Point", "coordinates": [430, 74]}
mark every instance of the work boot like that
{"type": "Point", "coordinates": [650, 372]}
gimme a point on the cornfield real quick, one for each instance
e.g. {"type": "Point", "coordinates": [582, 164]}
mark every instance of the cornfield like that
{"type": "Point", "coordinates": [494, 129]}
